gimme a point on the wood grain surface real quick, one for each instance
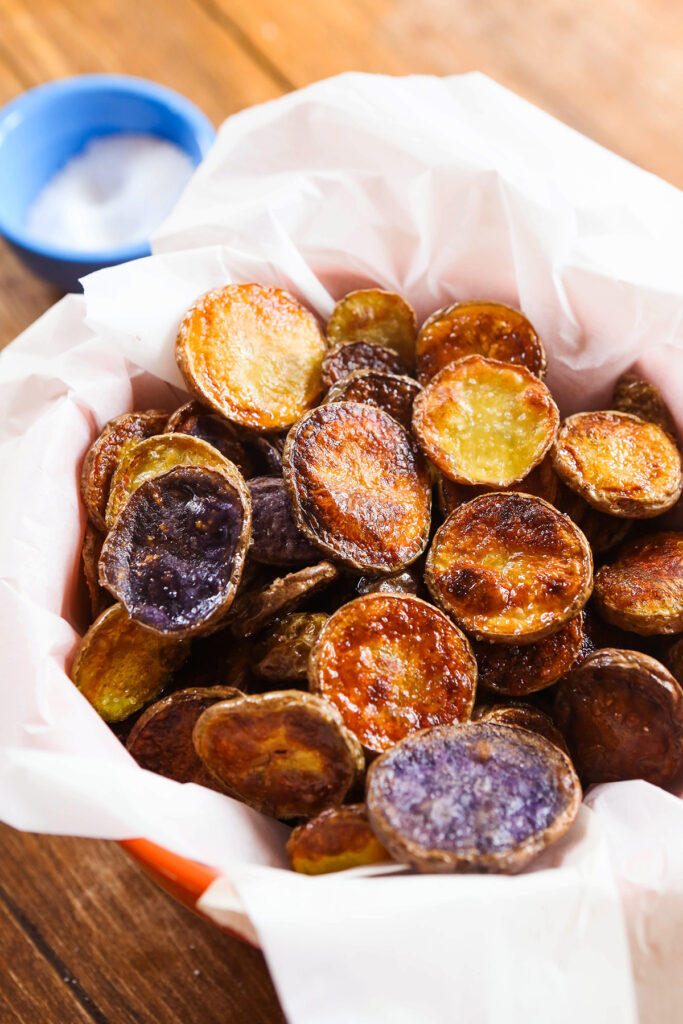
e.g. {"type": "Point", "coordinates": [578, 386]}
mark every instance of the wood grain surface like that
{"type": "Point", "coordinates": [84, 935]}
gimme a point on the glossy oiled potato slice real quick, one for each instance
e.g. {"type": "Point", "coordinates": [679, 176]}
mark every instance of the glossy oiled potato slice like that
{"type": "Point", "coordinates": [622, 715]}
{"type": "Point", "coordinates": [478, 328]}
{"type": "Point", "coordinates": [619, 463]}
{"type": "Point", "coordinates": [103, 456]}
{"type": "Point", "coordinates": [258, 606]}
{"type": "Point", "coordinates": [510, 568]}
{"type": "Point", "coordinates": [359, 486]}
{"type": "Point", "coordinates": [375, 316]}
{"type": "Point", "coordinates": [642, 398]}
{"type": "Point", "coordinates": [283, 655]}
{"type": "Point", "coordinates": [389, 391]}
{"type": "Point", "coordinates": [485, 422]}
{"type": "Point", "coordinates": [90, 556]}
{"type": "Point", "coordinates": [517, 669]}
{"type": "Point", "coordinates": [359, 355]}
{"type": "Point", "coordinates": [175, 555]}
{"type": "Point", "coordinates": [253, 354]}
{"type": "Point", "coordinates": [161, 739]}
{"type": "Point", "coordinates": [194, 418]}
{"type": "Point", "coordinates": [275, 537]}
{"type": "Point", "coordinates": [338, 839]}
{"type": "Point", "coordinates": [476, 797]}
{"type": "Point", "coordinates": [541, 481]}
{"type": "Point", "coordinates": [405, 582]}
{"type": "Point", "coordinates": [120, 666]}
{"type": "Point", "coordinates": [392, 664]}
{"type": "Point", "coordinates": [643, 590]}
{"type": "Point", "coordinates": [285, 753]}
{"type": "Point", "coordinates": [524, 716]}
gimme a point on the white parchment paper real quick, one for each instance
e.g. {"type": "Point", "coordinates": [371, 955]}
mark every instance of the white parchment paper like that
{"type": "Point", "coordinates": [440, 189]}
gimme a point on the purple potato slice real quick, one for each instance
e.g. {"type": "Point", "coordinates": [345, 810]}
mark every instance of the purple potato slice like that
{"type": "Point", "coordinates": [270, 450]}
{"type": "Point", "coordinates": [389, 391]}
{"type": "Point", "coordinates": [275, 537]}
{"type": "Point", "coordinates": [195, 419]}
{"type": "Point", "coordinates": [359, 355]}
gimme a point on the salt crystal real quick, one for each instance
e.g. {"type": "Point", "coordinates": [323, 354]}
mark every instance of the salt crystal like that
{"type": "Point", "coordinates": [115, 192]}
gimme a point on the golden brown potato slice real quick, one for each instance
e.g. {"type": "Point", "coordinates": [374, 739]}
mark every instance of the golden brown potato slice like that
{"type": "Point", "coordinates": [622, 715]}
{"type": "Point", "coordinates": [619, 463]}
{"type": "Point", "coordinates": [338, 839]}
{"type": "Point", "coordinates": [518, 669]}
{"type": "Point", "coordinates": [285, 753]}
{"type": "Point", "coordinates": [196, 419]}
{"type": "Point", "coordinates": [389, 391]}
{"type": "Point", "coordinates": [485, 422]}
{"type": "Point", "coordinates": [359, 355]}
{"type": "Point", "coordinates": [253, 354]}
{"type": "Point", "coordinates": [283, 655]}
{"type": "Point", "coordinates": [541, 481]}
{"type": "Point", "coordinates": [488, 329]}
{"type": "Point", "coordinates": [644, 399]}
{"type": "Point", "coordinates": [90, 556]}
{"type": "Point", "coordinates": [120, 666]}
{"type": "Point", "coordinates": [375, 316]}
{"type": "Point", "coordinates": [392, 664]}
{"type": "Point", "coordinates": [359, 486]}
{"type": "Point", "coordinates": [524, 716]}
{"type": "Point", "coordinates": [257, 606]}
{"type": "Point", "coordinates": [643, 590]}
{"type": "Point", "coordinates": [103, 456]}
{"type": "Point", "coordinates": [510, 568]}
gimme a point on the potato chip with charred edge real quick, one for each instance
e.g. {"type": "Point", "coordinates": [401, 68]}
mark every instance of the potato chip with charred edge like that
{"type": "Point", "coordinates": [336, 840]}
{"type": "Point", "coordinates": [256, 607]}
{"type": "Point", "coordinates": [518, 669]}
{"type": "Point", "coordinates": [375, 316]}
{"type": "Point", "coordinates": [359, 486]}
{"type": "Point", "coordinates": [120, 666]}
{"type": "Point", "coordinates": [488, 329]}
{"type": "Point", "coordinates": [509, 568]}
{"type": "Point", "coordinates": [285, 753]}
{"type": "Point", "coordinates": [477, 797]}
{"type": "Point", "coordinates": [392, 664]}
{"type": "Point", "coordinates": [541, 481]}
{"type": "Point", "coordinates": [359, 355]}
{"type": "Point", "coordinates": [103, 456]}
{"type": "Point", "coordinates": [485, 422]}
{"type": "Point", "coordinates": [195, 419]}
{"type": "Point", "coordinates": [642, 591]}
{"type": "Point", "coordinates": [275, 537]}
{"type": "Point", "coordinates": [389, 391]}
{"type": "Point", "coordinates": [252, 353]}
{"type": "Point", "coordinates": [524, 716]}
{"type": "Point", "coordinates": [90, 556]}
{"type": "Point", "coordinates": [644, 399]}
{"type": "Point", "coordinates": [619, 463]}
{"type": "Point", "coordinates": [161, 739]}
{"type": "Point", "coordinates": [622, 715]}
{"type": "Point", "coordinates": [283, 655]}
{"type": "Point", "coordinates": [175, 555]}
{"type": "Point", "coordinates": [406, 581]}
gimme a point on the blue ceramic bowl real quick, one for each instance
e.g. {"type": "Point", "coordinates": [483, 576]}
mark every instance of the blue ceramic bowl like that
{"type": "Point", "coordinates": [41, 129]}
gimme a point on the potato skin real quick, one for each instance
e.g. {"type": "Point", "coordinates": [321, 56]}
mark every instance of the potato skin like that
{"type": "Point", "coordinates": [90, 556]}
{"type": "Point", "coordinates": [522, 716]}
{"type": "Point", "coordinates": [642, 398]}
{"type": "Point", "coordinates": [375, 316]}
{"type": "Point", "coordinates": [359, 355]}
{"type": "Point", "coordinates": [282, 656]}
{"type": "Point", "coordinates": [336, 840]}
{"type": "Point", "coordinates": [642, 591]}
{"type": "Point", "coordinates": [518, 669]}
{"type": "Point", "coordinates": [199, 421]}
{"type": "Point", "coordinates": [389, 391]}
{"type": "Point", "coordinates": [260, 605]}
{"type": "Point", "coordinates": [275, 537]}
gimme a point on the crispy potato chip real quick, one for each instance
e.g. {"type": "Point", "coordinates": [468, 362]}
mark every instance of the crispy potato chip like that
{"type": "Point", "coordinates": [518, 669]}
{"type": "Point", "coordinates": [120, 666]}
{"type": "Point", "coordinates": [509, 568]}
{"type": "Point", "coordinates": [359, 486]}
{"type": "Point", "coordinates": [377, 317]}
{"type": "Point", "coordinates": [622, 715]}
{"type": "Point", "coordinates": [90, 556]}
{"type": "Point", "coordinates": [644, 399]}
{"type": "Point", "coordinates": [258, 606]}
{"type": "Point", "coordinates": [359, 355]}
{"type": "Point", "coordinates": [524, 716]}
{"type": "Point", "coordinates": [195, 419]}
{"type": "Point", "coordinates": [285, 753]}
{"type": "Point", "coordinates": [392, 664]}
{"type": "Point", "coordinates": [406, 581]}
{"type": "Point", "coordinates": [389, 391]}
{"type": "Point", "coordinates": [161, 739]}
{"type": "Point", "coordinates": [254, 354]}
{"type": "Point", "coordinates": [478, 328]}
{"type": "Point", "coordinates": [175, 555]}
{"type": "Point", "coordinates": [275, 537]}
{"type": "Point", "coordinates": [485, 422]}
{"type": "Point", "coordinates": [337, 839]}
{"type": "Point", "coordinates": [103, 455]}
{"type": "Point", "coordinates": [541, 481]}
{"type": "Point", "coordinates": [475, 797]}
{"type": "Point", "coordinates": [283, 655]}
{"type": "Point", "coordinates": [643, 590]}
{"type": "Point", "coordinates": [619, 463]}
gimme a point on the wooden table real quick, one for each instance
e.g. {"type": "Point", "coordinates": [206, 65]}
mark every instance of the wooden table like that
{"type": "Point", "coordinates": [84, 936]}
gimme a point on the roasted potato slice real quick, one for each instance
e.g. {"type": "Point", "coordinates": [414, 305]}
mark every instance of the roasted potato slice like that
{"type": "Point", "coordinates": [619, 463]}
{"type": "Point", "coordinates": [509, 568]}
{"type": "Point", "coordinates": [254, 354]}
{"type": "Point", "coordinates": [392, 664]}
{"type": "Point", "coordinates": [90, 556]}
{"type": "Point", "coordinates": [475, 797]}
{"type": "Point", "coordinates": [270, 450]}
{"type": "Point", "coordinates": [216, 660]}
{"type": "Point", "coordinates": [642, 398]}
{"type": "Point", "coordinates": [674, 660]}
{"type": "Point", "coordinates": [161, 739]}
{"type": "Point", "coordinates": [359, 486]}
{"type": "Point", "coordinates": [359, 355]}
{"type": "Point", "coordinates": [642, 591]}
{"type": "Point", "coordinates": [103, 456]}
{"type": "Point", "coordinates": [283, 655]}
{"type": "Point", "coordinates": [602, 530]}
{"type": "Point", "coordinates": [338, 839]}
{"type": "Point", "coordinates": [488, 329]}
{"type": "Point", "coordinates": [389, 391]}
{"type": "Point", "coordinates": [120, 666]}
{"type": "Point", "coordinates": [195, 419]}
{"type": "Point", "coordinates": [541, 481]}
{"type": "Point", "coordinates": [256, 607]}
{"type": "Point", "coordinates": [175, 555]}
{"type": "Point", "coordinates": [485, 422]}
{"type": "Point", "coordinates": [622, 715]}
{"type": "Point", "coordinates": [405, 582]}
{"type": "Point", "coordinates": [524, 716]}
{"type": "Point", "coordinates": [275, 537]}
{"type": "Point", "coordinates": [285, 753]}
{"type": "Point", "coordinates": [518, 669]}
{"type": "Point", "coordinates": [375, 316]}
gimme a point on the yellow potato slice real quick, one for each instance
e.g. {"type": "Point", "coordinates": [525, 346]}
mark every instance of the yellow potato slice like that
{"type": "Point", "coordinates": [338, 839]}
{"type": "Point", "coordinates": [377, 317]}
